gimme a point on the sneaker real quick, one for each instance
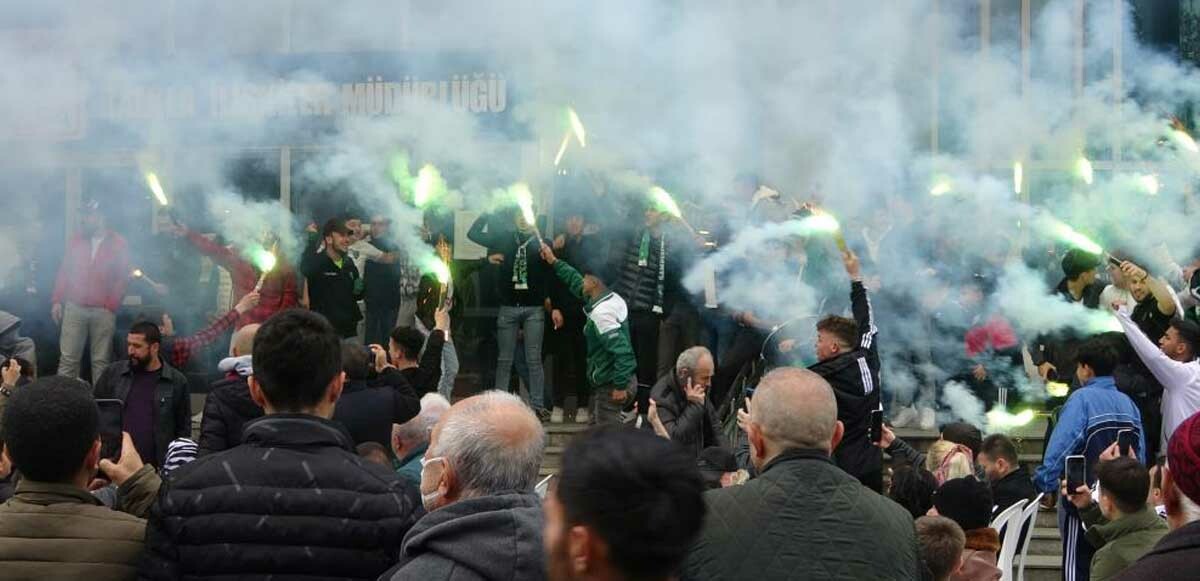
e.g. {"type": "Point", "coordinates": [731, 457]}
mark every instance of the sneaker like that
{"type": "Point", "coordinates": [905, 417]}
{"type": "Point", "coordinates": [543, 414]}
{"type": "Point", "coordinates": [556, 416]}
{"type": "Point", "coordinates": [582, 416]}
{"type": "Point", "coordinates": [928, 419]}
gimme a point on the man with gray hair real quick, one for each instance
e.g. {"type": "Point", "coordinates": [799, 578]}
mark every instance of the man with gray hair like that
{"type": "Point", "coordinates": [765, 529]}
{"type": "Point", "coordinates": [683, 404]}
{"type": "Point", "coordinates": [477, 480]}
{"type": "Point", "coordinates": [411, 439]}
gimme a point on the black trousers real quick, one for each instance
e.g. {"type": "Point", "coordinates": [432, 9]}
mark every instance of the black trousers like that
{"type": "Point", "coordinates": [746, 346]}
{"type": "Point", "coordinates": [643, 332]}
{"type": "Point", "coordinates": [568, 361]}
{"type": "Point", "coordinates": [380, 321]}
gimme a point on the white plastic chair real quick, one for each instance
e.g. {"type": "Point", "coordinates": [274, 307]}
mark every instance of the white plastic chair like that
{"type": "Point", "coordinates": [1008, 523]}
{"type": "Point", "coordinates": [1029, 515]}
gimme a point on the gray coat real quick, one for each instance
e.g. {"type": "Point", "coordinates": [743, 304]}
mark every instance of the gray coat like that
{"type": "Point", "coordinates": [12, 344]}
{"type": "Point", "coordinates": [693, 426]}
{"type": "Point", "coordinates": [490, 538]}
{"type": "Point", "coordinates": [172, 404]}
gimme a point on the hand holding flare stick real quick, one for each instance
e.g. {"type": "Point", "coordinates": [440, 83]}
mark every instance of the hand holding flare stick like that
{"type": "Point", "coordinates": [266, 261]}
{"type": "Point", "coordinates": [525, 202]}
{"type": "Point", "coordinates": [663, 201]}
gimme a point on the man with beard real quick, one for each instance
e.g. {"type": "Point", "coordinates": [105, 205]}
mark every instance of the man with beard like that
{"type": "Point", "coordinates": [155, 395]}
{"type": "Point", "coordinates": [334, 283]}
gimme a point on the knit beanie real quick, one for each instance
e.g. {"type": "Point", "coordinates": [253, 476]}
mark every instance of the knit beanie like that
{"type": "Point", "coordinates": [1183, 457]}
{"type": "Point", "coordinates": [966, 501]}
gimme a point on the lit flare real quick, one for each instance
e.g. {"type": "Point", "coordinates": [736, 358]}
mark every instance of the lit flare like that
{"type": "Point", "coordinates": [156, 188]}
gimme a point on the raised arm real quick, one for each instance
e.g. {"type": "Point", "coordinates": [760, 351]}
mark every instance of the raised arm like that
{"type": "Point", "coordinates": [860, 305]}
{"type": "Point", "coordinates": [1167, 371]}
{"type": "Point", "coordinates": [1163, 296]}
{"type": "Point", "coordinates": [569, 277]}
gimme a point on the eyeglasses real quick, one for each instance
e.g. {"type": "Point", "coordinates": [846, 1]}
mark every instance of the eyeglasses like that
{"type": "Point", "coordinates": [425, 461]}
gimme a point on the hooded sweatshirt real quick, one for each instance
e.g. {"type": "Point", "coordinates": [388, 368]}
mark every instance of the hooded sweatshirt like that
{"type": "Point", "coordinates": [492, 538]}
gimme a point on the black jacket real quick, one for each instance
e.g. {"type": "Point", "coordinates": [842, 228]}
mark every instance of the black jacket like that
{"type": "Point", "coordinates": [423, 378]}
{"type": "Point", "coordinates": [1059, 348]}
{"type": "Point", "coordinates": [332, 291]}
{"type": "Point", "coordinates": [490, 538]}
{"type": "Point", "coordinates": [854, 376]}
{"type": "Point", "coordinates": [506, 240]}
{"type": "Point", "coordinates": [1012, 488]}
{"type": "Point", "coordinates": [172, 404]}
{"type": "Point", "coordinates": [226, 410]}
{"type": "Point", "coordinates": [293, 500]}
{"type": "Point", "coordinates": [1171, 558]}
{"type": "Point", "coordinates": [638, 285]}
{"type": "Point", "coordinates": [369, 412]}
{"type": "Point", "coordinates": [692, 426]}
{"type": "Point", "coordinates": [803, 518]}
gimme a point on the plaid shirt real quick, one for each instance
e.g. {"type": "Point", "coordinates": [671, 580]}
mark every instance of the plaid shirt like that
{"type": "Point", "coordinates": [279, 288]}
{"type": "Point", "coordinates": [182, 348]}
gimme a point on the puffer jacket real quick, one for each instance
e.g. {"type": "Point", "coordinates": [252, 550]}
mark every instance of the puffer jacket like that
{"type": "Point", "coordinates": [489, 538]}
{"type": "Point", "coordinates": [292, 500]}
{"type": "Point", "coordinates": [226, 410]}
{"type": "Point", "coordinates": [803, 518]}
{"type": "Point", "coordinates": [854, 376]}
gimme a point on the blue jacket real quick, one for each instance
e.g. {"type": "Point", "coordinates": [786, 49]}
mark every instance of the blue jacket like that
{"type": "Point", "coordinates": [1087, 425]}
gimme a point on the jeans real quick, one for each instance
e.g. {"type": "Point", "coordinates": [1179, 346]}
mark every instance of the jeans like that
{"type": "Point", "coordinates": [604, 409]}
{"type": "Point", "coordinates": [531, 320]}
{"type": "Point", "coordinates": [568, 364]}
{"type": "Point", "coordinates": [94, 325]}
{"type": "Point", "coordinates": [449, 370]}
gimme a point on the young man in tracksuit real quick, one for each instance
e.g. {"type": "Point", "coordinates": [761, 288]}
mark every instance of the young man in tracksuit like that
{"type": "Point", "coordinates": [334, 284]}
{"type": "Point", "coordinates": [611, 366]}
{"type": "Point", "coordinates": [848, 355]}
{"type": "Point", "coordinates": [1088, 424]}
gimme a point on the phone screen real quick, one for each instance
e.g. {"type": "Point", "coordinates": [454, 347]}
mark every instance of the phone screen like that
{"type": "Point", "coordinates": [1125, 440]}
{"type": "Point", "coordinates": [1076, 472]}
{"type": "Point", "coordinates": [112, 416]}
{"type": "Point", "coordinates": [876, 425]}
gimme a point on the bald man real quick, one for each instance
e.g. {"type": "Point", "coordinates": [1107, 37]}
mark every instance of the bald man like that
{"type": "Point", "coordinates": [802, 516]}
{"type": "Point", "coordinates": [228, 406]}
{"type": "Point", "coordinates": [477, 480]}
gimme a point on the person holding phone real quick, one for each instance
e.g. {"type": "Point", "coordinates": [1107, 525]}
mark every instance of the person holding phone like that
{"type": "Point", "coordinates": [1089, 423]}
{"type": "Point", "coordinates": [683, 404]}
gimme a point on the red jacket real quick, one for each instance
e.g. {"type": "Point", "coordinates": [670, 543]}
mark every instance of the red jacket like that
{"type": "Point", "coordinates": [995, 334]}
{"type": "Point", "coordinates": [94, 283]}
{"type": "Point", "coordinates": [279, 289]}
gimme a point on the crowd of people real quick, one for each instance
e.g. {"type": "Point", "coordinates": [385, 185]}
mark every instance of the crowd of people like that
{"type": "Point", "coordinates": [337, 440]}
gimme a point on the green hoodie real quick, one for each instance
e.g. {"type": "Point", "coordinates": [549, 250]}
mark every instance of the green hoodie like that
{"type": "Point", "coordinates": [610, 360]}
{"type": "Point", "coordinates": [1120, 542]}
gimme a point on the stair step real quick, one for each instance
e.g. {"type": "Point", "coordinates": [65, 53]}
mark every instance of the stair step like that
{"type": "Point", "coordinates": [1041, 567]}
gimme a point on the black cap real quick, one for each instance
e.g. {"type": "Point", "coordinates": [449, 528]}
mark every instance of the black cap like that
{"type": "Point", "coordinates": [965, 434]}
{"type": "Point", "coordinates": [965, 501]}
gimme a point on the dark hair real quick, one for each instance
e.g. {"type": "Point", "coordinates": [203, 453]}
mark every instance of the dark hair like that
{"type": "Point", "coordinates": [998, 446]}
{"type": "Point", "coordinates": [912, 488]}
{"type": "Point", "coordinates": [1126, 481]}
{"type": "Point", "coordinates": [1099, 355]}
{"type": "Point", "coordinates": [334, 225]}
{"type": "Point", "coordinates": [49, 427]}
{"type": "Point", "coordinates": [296, 354]}
{"type": "Point", "coordinates": [941, 541]}
{"type": "Point", "coordinates": [846, 330]}
{"type": "Point", "coordinates": [1076, 262]}
{"type": "Point", "coordinates": [1189, 332]}
{"type": "Point", "coordinates": [640, 493]}
{"type": "Point", "coordinates": [148, 330]}
{"type": "Point", "coordinates": [966, 501]}
{"type": "Point", "coordinates": [409, 340]}
{"type": "Point", "coordinates": [355, 360]}
{"type": "Point", "coordinates": [965, 434]}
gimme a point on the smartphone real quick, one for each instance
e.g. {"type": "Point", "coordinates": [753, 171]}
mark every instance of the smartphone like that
{"type": "Point", "coordinates": [643, 399]}
{"type": "Point", "coordinates": [1076, 472]}
{"type": "Point", "coordinates": [876, 426]}
{"type": "Point", "coordinates": [112, 418]}
{"type": "Point", "coordinates": [1125, 440]}
{"type": "Point", "coordinates": [1113, 261]}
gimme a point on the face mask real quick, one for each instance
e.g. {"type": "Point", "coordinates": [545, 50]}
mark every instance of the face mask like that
{"type": "Point", "coordinates": [427, 499]}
